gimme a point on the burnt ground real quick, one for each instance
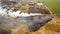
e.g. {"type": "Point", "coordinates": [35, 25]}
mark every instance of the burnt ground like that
{"type": "Point", "coordinates": [31, 10]}
{"type": "Point", "coordinates": [39, 10]}
{"type": "Point", "coordinates": [33, 7]}
{"type": "Point", "coordinates": [4, 31]}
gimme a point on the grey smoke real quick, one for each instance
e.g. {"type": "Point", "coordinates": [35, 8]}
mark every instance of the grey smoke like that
{"type": "Point", "coordinates": [34, 22]}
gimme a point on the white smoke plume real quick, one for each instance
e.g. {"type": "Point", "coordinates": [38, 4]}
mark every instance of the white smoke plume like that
{"type": "Point", "coordinates": [14, 14]}
{"type": "Point", "coordinates": [33, 22]}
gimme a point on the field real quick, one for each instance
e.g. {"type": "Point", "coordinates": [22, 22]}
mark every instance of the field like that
{"type": "Point", "coordinates": [54, 5]}
{"type": "Point", "coordinates": [52, 27]}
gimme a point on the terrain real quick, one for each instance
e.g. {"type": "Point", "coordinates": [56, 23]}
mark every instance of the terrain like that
{"type": "Point", "coordinates": [54, 5]}
{"type": "Point", "coordinates": [52, 27]}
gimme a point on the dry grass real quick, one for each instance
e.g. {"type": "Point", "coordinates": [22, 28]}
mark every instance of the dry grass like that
{"type": "Point", "coordinates": [52, 27]}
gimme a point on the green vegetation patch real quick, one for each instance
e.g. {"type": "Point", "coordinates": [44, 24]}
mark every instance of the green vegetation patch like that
{"type": "Point", "coordinates": [54, 5]}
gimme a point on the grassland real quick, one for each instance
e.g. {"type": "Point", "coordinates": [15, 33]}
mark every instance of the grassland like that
{"type": "Point", "coordinates": [52, 27]}
{"type": "Point", "coordinates": [54, 5]}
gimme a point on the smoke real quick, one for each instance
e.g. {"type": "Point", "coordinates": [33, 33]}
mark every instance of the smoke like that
{"type": "Point", "coordinates": [15, 13]}
{"type": "Point", "coordinates": [33, 20]}
{"type": "Point", "coordinates": [3, 11]}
